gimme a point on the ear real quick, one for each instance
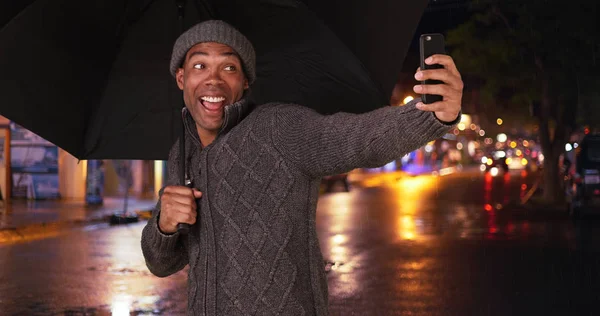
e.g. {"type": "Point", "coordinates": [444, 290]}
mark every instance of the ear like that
{"type": "Point", "coordinates": [246, 85]}
{"type": "Point", "coordinates": [179, 77]}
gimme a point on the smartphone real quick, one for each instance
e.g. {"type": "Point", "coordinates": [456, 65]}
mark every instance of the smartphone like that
{"type": "Point", "coordinates": [431, 44]}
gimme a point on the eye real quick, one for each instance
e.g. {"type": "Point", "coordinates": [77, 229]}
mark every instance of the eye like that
{"type": "Point", "coordinates": [230, 68]}
{"type": "Point", "coordinates": [199, 66]}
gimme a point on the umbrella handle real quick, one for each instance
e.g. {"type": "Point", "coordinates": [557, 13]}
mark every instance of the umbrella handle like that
{"type": "Point", "coordinates": [183, 228]}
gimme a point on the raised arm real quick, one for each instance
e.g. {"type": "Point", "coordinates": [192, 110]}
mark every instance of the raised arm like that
{"type": "Point", "coordinates": [330, 144]}
{"type": "Point", "coordinates": [322, 145]}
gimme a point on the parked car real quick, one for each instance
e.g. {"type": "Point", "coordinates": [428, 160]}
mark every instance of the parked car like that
{"type": "Point", "coordinates": [496, 159]}
{"type": "Point", "coordinates": [582, 178]}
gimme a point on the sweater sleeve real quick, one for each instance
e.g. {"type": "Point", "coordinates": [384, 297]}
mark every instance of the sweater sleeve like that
{"type": "Point", "coordinates": [331, 144]}
{"type": "Point", "coordinates": [164, 254]}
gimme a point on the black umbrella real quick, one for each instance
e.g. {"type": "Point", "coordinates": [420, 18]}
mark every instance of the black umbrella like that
{"type": "Point", "coordinates": [92, 76]}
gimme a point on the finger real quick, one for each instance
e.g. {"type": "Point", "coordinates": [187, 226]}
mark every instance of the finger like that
{"type": "Point", "coordinates": [177, 189]}
{"type": "Point", "coordinates": [445, 61]}
{"type": "Point", "coordinates": [439, 89]}
{"type": "Point", "coordinates": [433, 107]}
{"type": "Point", "coordinates": [188, 212]}
{"type": "Point", "coordinates": [442, 75]}
{"type": "Point", "coordinates": [184, 199]}
{"type": "Point", "coordinates": [197, 194]}
{"type": "Point", "coordinates": [174, 206]}
{"type": "Point", "coordinates": [187, 218]}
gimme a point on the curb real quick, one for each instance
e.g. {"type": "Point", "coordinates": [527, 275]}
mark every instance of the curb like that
{"type": "Point", "coordinates": [37, 231]}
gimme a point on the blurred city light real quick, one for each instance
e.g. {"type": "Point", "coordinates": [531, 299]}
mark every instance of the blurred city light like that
{"type": "Point", "coordinates": [524, 162]}
{"type": "Point", "coordinates": [525, 143]}
{"type": "Point", "coordinates": [568, 147]}
{"type": "Point", "coordinates": [482, 167]}
{"type": "Point", "coordinates": [407, 99]}
{"type": "Point", "coordinates": [481, 133]}
{"type": "Point", "coordinates": [519, 152]}
{"type": "Point", "coordinates": [158, 176]}
{"type": "Point", "coordinates": [465, 119]}
{"type": "Point", "coordinates": [575, 145]}
{"type": "Point", "coordinates": [473, 127]}
{"type": "Point", "coordinates": [484, 159]}
{"type": "Point", "coordinates": [339, 239]}
{"type": "Point", "coordinates": [408, 227]}
{"type": "Point", "coordinates": [494, 171]}
{"type": "Point", "coordinates": [121, 305]}
{"type": "Point", "coordinates": [513, 144]}
{"type": "Point", "coordinates": [459, 146]}
{"type": "Point", "coordinates": [501, 137]}
{"type": "Point", "coordinates": [471, 147]}
{"type": "Point", "coordinates": [499, 121]}
{"type": "Point", "coordinates": [461, 126]}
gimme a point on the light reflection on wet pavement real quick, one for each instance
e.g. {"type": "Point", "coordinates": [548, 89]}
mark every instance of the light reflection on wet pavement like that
{"type": "Point", "coordinates": [421, 245]}
{"type": "Point", "coordinates": [455, 245]}
{"type": "Point", "coordinates": [99, 272]}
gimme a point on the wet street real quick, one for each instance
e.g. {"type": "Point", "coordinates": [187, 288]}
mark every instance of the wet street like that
{"type": "Point", "coordinates": [422, 245]}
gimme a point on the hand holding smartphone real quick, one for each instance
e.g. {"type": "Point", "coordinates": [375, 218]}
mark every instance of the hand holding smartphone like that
{"type": "Point", "coordinates": [431, 44]}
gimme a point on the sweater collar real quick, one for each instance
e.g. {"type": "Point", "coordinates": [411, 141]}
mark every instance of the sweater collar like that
{"type": "Point", "coordinates": [234, 114]}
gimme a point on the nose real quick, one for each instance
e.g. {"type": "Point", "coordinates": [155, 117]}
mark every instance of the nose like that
{"type": "Point", "coordinates": [214, 78]}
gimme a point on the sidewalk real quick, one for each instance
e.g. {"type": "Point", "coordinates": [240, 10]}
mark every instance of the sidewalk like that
{"type": "Point", "coordinates": [25, 220]}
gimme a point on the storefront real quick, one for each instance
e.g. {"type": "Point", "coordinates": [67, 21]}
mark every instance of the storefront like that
{"type": "Point", "coordinates": [33, 168]}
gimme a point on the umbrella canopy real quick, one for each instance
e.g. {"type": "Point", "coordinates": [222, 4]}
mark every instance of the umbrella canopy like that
{"type": "Point", "coordinates": [92, 77]}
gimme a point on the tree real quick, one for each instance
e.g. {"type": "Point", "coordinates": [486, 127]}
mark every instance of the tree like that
{"type": "Point", "coordinates": [533, 61]}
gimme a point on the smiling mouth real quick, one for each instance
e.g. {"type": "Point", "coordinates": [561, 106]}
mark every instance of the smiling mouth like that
{"type": "Point", "coordinates": [212, 104]}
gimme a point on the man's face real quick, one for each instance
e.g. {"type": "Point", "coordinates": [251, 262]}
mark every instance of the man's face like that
{"type": "Point", "coordinates": [211, 78]}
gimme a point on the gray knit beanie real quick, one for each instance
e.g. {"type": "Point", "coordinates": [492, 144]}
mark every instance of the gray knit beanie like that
{"type": "Point", "coordinates": [219, 32]}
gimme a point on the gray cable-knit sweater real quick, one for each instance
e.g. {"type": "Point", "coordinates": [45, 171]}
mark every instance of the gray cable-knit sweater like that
{"type": "Point", "coordinates": [254, 249]}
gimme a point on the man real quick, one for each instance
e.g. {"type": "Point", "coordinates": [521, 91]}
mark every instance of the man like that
{"type": "Point", "coordinates": [252, 247]}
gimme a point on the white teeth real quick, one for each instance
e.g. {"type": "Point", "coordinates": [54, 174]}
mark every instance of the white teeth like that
{"type": "Point", "coordinates": [213, 99]}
